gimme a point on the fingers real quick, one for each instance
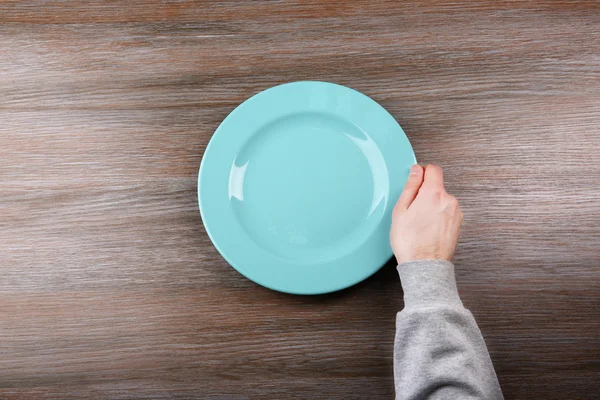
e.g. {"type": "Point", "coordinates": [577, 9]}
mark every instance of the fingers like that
{"type": "Point", "coordinates": [415, 180]}
{"type": "Point", "coordinates": [434, 176]}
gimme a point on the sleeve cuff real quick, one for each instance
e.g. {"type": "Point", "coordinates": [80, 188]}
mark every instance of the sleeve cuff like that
{"type": "Point", "coordinates": [428, 282]}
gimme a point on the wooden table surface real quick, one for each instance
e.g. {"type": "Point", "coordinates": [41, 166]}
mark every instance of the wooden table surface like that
{"type": "Point", "coordinates": [109, 285]}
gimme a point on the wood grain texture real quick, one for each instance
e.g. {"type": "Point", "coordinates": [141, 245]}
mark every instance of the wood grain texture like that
{"type": "Point", "coordinates": [109, 285]}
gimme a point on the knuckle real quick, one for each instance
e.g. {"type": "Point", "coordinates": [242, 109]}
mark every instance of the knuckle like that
{"type": "Point", "coordinates": [435, 191]}
{"type": "Point", "coordinates": [452, 201]}
{"type": "Point", "coordinates": [438, 197]}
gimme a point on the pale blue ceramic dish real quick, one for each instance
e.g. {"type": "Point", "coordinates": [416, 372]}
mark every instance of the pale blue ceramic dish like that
{"type": "Point", "coordinates": [297, 186]}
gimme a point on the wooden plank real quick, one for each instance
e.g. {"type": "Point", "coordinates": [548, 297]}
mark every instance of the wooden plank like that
{"type": "Point", "coordinates": [109, 285]}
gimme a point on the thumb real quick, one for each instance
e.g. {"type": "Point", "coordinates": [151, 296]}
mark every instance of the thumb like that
{"type": "Point", "coordinates": [415, 180]}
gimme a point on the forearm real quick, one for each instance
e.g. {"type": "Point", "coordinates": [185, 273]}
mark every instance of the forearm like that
{"type": "Point", "coordinates": [439, 352]}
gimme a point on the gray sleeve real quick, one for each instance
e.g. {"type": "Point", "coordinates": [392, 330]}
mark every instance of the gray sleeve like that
{"type": "Point", "coordinates": [439, 352]}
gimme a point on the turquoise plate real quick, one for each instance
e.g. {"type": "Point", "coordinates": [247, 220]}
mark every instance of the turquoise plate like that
{"type": "Point", "coordinates": [297, 186]}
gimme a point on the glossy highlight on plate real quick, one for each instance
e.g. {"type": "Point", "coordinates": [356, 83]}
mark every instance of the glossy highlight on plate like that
{"type": "Point", "coordinates": [297, 185]}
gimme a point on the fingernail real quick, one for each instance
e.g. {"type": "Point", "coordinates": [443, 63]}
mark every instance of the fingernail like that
{"type": "Point", "coordinates": [414, 170]}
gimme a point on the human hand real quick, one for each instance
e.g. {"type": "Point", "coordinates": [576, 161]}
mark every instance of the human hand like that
{"type": "Point", "coordinates": [426, 220]}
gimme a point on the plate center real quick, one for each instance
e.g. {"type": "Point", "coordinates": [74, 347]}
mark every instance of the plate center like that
{"type": "Point", "coordinates": [308, 186]}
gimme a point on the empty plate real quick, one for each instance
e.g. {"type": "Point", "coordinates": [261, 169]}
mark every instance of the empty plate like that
{"type": "Point", "coordinates": [297, 185]}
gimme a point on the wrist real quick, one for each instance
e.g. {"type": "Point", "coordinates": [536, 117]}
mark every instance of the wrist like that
{"type": "Point", "coordinates": [430, 256]}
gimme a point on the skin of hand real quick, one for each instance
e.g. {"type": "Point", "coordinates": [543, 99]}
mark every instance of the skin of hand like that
{"type": "Point", "coordinates": [426, 219]}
